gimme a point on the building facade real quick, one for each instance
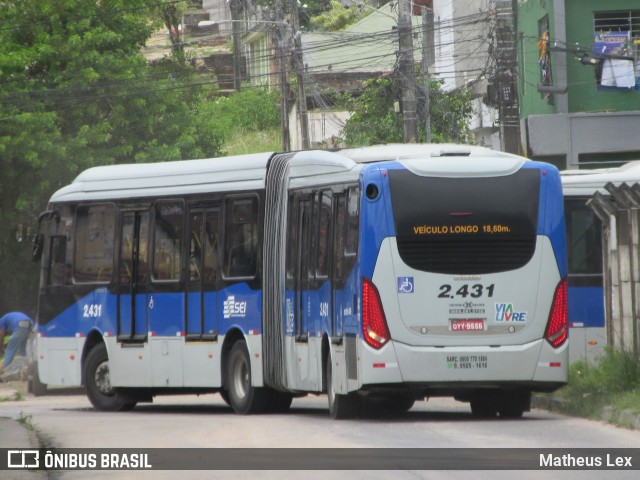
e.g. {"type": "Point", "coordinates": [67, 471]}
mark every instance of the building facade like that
{"type": "Point", "coordinates": [579, 80]}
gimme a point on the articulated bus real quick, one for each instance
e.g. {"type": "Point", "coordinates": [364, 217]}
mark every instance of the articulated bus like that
{"type": "Point", "coordinates": [588, 336]}
{"type": "Point", "coordinates": [379, 275]}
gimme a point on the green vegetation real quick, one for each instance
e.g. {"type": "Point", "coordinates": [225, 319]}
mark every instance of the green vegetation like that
{"type": "Point", "coordinates": [338, 17]}
{"type": "Point", "coordinates": [76, 92]}
{"type": "Point", "coordinates": [243, 142]}
{"type": "Point", "coordinates": [26, 421]}
{"type": "Point", "coordinates": [245, 111]}
{"type": "Point", "coordinates": [375, 120]}
{"type": "Point", "coordinates": [614, 381]}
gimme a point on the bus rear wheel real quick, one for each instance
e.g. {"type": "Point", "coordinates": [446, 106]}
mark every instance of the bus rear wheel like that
{"type": "Point", "coordinates": [243, 397]}
{"type": "Point", "coordinates": [97, 381]}
{"type": "Point", "coordinates": [340, 406]}
{"type": "Point", "coordinates": [483, 408]}
{"type": "Point", "coordinates": [279, 402]}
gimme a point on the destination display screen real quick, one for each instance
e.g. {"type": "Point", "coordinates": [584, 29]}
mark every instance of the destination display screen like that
{"type": "Point", "coordinates": [465, 225]}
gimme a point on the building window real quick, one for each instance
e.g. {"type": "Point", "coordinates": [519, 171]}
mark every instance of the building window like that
{"type": "Point", "coordinates": [616, 48]}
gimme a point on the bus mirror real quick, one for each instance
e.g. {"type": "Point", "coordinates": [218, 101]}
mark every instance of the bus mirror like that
{"type": "Point", "coordinates": [38, 245]}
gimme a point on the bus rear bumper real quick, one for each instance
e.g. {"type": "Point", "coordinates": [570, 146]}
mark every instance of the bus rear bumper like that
{"type": "Point", "coordinates": [533, 364]}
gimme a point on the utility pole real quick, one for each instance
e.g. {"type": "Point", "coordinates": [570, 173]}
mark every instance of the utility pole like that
{"type": "Point", "coordinates": [279, 36]}
{"type": "Point", "coordinates": [237, 54]}
{"type": "Point", "coordinates": [427, 28]}
{"type": "Point", "coordinates": [405, 69]}
{"type": "Point", "coordinates": [506, 64]}
{"type": "Point", "coordinates": [299, 66]}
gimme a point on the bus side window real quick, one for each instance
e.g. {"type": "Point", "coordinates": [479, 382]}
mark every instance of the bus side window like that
{"type": "Point", "coordinates": [292, 240]}
{"type": "Point", "coordinates": [210, 262]}
{"type": "Point", "coordinates": [167, 258]}
{"type": "Point", "coordinates": [583, 238]}
{"type": "Point", "coordinates": [324, 226]}
{"type": "Point", "coordinates": [203, 246]}
{"type": "Point", "coordinates": [126, 251]}
{"type": "Point", "coordinates": [195, 246]}
{"type": "Point", "coordinates": [57, 260]}
{"type": "Point", "coordinates": [241, 237]}
{"type": "Point", "coordinates": [95, 227]}
{"type": "Point", "coordinates": [340, 210]}
{"type": "Point", "coordinates": [353, 220]}
{"type": "Point", "coordinates": [353, 224]}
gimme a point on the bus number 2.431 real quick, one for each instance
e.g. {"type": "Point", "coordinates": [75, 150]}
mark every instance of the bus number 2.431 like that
{"type": "Point", "coordinates": [474, 291]}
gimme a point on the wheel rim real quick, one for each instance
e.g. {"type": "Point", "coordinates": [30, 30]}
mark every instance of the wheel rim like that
{"type": "Point", "coordinates": [103, 379]}
{"type": "Point", "coordinates": [241, 378]}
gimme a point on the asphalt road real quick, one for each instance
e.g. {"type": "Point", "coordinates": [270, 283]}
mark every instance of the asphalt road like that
{"type": "Point", "coordinates": [192, 422]}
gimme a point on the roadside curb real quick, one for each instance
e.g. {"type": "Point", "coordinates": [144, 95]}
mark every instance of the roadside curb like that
{"type": "Point", "coordinates": [621, 418]}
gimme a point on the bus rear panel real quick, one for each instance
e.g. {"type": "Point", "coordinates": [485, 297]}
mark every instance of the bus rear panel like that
{"type": "Point", "coordinates": [469, 272]}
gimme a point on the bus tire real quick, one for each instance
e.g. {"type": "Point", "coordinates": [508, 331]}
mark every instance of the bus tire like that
{"type": "Point", "coordinates": [483, 408]}
{"type": "Point", "coordinates": [97, 382]}
{"type": "Point", "coordinates": [280, 402]}
{"type": "Point", "coordinates": [341, 407]}
{"type": "Point", "coordinates": [225, 396]}
{"type": "Point", "coordinates": [511, 411]}
{"type": "Point", "coordinates": [514, 405]}
{"type": "Point", "coordinates": [243, 397]}
{"type": "Point", "coordinates": [401, 403]}
{"type": "Point", "coordinates": [34, 385]}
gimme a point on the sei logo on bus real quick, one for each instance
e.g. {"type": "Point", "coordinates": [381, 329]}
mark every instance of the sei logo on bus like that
{"type": "Point", "coordinates": [505, 313]}
{"type": "Point", "coordinates": [233, 308]}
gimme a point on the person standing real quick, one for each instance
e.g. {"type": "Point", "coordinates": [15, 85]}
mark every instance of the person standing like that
{"type": "Point", "coordinates": [18, 325]}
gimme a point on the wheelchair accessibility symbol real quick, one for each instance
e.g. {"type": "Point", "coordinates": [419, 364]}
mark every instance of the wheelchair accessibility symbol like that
{"type": "Point", "coordinates": [405, 284]}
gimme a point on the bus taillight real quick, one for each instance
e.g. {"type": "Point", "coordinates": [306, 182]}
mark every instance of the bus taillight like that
{"type": "Point", "coordinates": [374, 323]}
{"type": "Point", "coordinates": [556, 333]}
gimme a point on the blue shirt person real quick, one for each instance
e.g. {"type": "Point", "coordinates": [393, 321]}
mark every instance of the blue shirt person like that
{"type": "Point", "coordinates": [18, 325]}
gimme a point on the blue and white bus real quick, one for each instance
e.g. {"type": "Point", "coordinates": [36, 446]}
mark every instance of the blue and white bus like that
{"type": "Point", "coordinates": [584, 251]}
{"type": "Point", "coordinates": [378, 275]}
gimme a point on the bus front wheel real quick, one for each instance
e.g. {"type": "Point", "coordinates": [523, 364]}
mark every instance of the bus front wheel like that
{"type": "Point", "coordinates": [97, 382]}
{"type": "Point", "coordinates": [243, 397]}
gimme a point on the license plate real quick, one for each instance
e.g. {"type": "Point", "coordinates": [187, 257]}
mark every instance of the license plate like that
{"type": "Point", "coordinates": [467, 325]}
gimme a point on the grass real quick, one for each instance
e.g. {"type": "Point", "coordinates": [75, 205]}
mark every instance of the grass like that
{"type": "Point", "coordinates": [243, 142]}
{"type": "Point", "coordinates": [25, 421]}
{"type": "Point", "coordinates": [614, 381]}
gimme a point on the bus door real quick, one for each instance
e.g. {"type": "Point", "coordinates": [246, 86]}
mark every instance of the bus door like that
{"type": "Point", "coordinates": [201, 288]}
{"type": "Point", "coordinates": [303, 255]}
{"type": "Point", "coordinates": [340, 306]}
{"type": "Point", "coordinates": [322, 257]}
{"type": "Point", "coordinates": [133, 276]}
{"type": "Point", "coordinates": [345, 283]}
{"type": "Point", "coordinates": [302, 300]}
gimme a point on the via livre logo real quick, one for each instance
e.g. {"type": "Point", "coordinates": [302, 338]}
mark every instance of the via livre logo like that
{"type": "Point", "coordinates": [505, 314]}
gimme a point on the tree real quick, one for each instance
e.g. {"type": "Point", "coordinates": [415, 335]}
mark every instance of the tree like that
{"type": "Point", "coordinates": [76, 92]}
{"type": "Point", "coordinates": [374, 119]}
{"type": "Point", "coordinates": [335, 17]}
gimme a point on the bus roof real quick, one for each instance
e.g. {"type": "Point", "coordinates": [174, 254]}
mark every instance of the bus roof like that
{"type": "Point", "coordinates": [166, 178]}
{"type": "Point", "coordinates": [587, 182]}
{"type": "Point", "coordinates": [248, 172]}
